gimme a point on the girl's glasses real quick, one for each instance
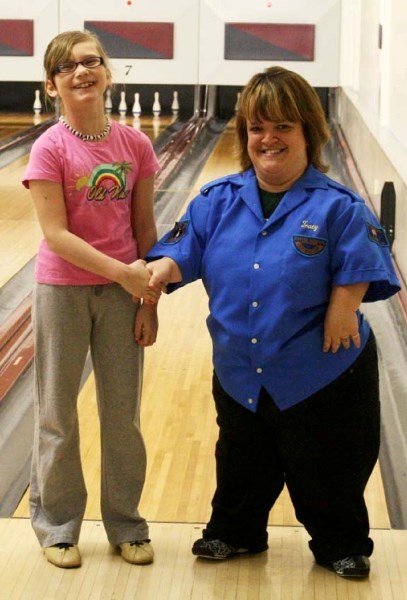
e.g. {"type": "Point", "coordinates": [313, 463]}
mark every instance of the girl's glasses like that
{"type": "Point", "coordinates": [69, 67]}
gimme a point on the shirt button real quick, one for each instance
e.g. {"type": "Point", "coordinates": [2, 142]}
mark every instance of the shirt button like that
{"type": "Point", "coordinates": [264, 233]}
{"type": "Point", "coordinates": [254, 340]}
{"type": "Point", "coordinates": [255, 304]}
{"type": "Point", "coordinates": [259, 370]}
{"type": "Point", "coordinates": [256, 266]}
{"type": "Point", "coordinates": [250, 401]}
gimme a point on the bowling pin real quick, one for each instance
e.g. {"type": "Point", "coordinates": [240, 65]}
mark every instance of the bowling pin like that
{"type": "Point", "coordinates": [37, 106]}
{"type": "Point", "coordinates": [175, 103]}
{"type": "Point", "coordinates": [137, 122]}
{"type": "Point", "coordinates": [237, 101]}
{"type": "Point", "coordinates": [136, 110]}
{"type": "Point", "coordinates": [122, 105]}
{"type": "Point", "coordinates": [156, 125]}
{"type": "Point", "coordinates": [108, 101]}
{"type": "Point", "coordinates": [156, 104]}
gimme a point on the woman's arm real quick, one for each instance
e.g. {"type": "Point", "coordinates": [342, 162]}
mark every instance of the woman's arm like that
{"type": "Point", "coordinates": [341, 322]}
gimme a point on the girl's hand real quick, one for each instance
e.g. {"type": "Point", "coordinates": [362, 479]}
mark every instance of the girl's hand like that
{"type": "Point", "coordinates": [136, 279]}
{"type": "Point", "coordinates": [146, 325]}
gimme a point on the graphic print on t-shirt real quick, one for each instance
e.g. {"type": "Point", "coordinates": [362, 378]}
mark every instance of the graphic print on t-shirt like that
{"type": "Point", "coordinates": [107, 181]}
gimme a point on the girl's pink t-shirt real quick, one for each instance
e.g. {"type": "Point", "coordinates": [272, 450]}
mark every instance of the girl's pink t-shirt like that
{"type": "Point", "coordinates": [98, 180]}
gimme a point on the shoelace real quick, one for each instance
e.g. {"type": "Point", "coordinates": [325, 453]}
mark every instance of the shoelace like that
{"type": "Point", "coordinates": [139, 542]}
{"type": "Point", "coordinates": [346, 562]}
{"type": "Point", "coordinates": [220, 548]}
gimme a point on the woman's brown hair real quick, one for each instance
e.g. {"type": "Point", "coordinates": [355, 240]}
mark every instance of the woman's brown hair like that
{"type": "Point", "coordinates": [278, 94]}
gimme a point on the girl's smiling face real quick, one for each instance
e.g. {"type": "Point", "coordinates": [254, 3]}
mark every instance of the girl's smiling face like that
{"type": "Point", "coordinates": [84, 85]}
{"type": "Point", "coordinates": [278, 151]}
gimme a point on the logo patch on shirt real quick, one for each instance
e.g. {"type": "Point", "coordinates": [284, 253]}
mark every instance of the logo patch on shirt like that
{"type": "Point", "coordinates": [178, 232]}
{"type": "Point", "coordinates": [377, 235]}
{"type": "Point", "coordinates": [308, 246]}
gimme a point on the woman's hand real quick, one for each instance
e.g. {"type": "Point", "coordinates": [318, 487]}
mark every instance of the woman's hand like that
{"type": "Point", "coordinates": [341, 327]}
{"type": "Point", "coordinates": [163, 271]}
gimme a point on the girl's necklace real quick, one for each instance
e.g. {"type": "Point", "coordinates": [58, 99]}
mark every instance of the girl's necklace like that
{"type": "Point", "coordinates": [88, 137]}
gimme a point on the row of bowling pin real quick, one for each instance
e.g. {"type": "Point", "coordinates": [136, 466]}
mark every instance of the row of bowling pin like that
{"type": "Point", "coordinates": [136, 108]}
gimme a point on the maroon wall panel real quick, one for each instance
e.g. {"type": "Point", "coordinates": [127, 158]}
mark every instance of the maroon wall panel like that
{"type": "Point", "coordinates": [16, 37]}
{"type": "Point", "coordinates": [269, 41]}
{"type": "Point", "coordinates": [135, 40]}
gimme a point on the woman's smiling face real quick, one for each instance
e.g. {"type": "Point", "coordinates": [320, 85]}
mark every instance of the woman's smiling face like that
{"type": "Point", "coordinates": [278, 151]}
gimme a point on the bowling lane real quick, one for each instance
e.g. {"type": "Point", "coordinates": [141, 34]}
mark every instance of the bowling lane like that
{"type": "Point", "coordinates": [14, 124]}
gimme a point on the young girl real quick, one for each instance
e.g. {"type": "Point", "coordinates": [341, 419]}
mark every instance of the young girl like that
{"type": "Point", "coordinates": [91, 180]}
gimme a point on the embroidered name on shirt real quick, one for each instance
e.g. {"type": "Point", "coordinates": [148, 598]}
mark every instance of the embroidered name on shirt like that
{"type": "Point", "coordinates": [306, 225]}
{"type": "Point", "coordinates": [308, 246]}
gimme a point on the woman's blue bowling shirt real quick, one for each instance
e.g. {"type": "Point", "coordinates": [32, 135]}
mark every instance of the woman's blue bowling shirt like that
{"type": "Point", "coordinates": [269, 281]}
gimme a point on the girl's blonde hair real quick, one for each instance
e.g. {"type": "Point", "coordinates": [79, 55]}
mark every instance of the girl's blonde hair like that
{"type": "Point", "coordinates": [278, 94]}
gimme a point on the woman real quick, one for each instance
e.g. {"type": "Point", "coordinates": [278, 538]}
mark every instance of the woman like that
{"type": "Point", "coordinates": [91, 180]}
{"type": "Point", "coordinates": [286, 256]}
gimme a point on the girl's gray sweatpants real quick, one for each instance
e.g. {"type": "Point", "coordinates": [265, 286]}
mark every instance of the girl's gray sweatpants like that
{"type": "Point", "coordinates": [68, 320]}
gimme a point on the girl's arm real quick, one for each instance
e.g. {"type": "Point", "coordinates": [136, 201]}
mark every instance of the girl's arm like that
{"type": "Point", "coordinates": [50, 206]}
{"type": "Point", "coordinates": [146, 324]}
{"type": "Point", "coordinates": [143, 222]}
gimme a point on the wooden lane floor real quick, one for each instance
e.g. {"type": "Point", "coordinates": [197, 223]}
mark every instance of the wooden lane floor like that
{"type": "Point", "coordinates": [178, 416]}
{"type": "Point", "coordinates": [20, 233]}
{"type": "Point", "coordinates": [12, 123]}
{"type": "Point", "coordinates": [286, 572]}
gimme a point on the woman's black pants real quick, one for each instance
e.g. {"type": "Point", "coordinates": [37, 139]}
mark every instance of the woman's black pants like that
{"type": "Point", "coordinates": [324, 449]}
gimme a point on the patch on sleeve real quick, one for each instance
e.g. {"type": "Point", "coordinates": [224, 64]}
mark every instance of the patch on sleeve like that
{"type": "Point", "coordinates": [178, 232]}
{"type": "Point", "coordinates": [377, 234]}
{"type": "Point", "coordinates": [308, 246]}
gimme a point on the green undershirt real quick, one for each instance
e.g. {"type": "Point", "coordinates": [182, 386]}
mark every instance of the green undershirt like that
{"type": "Point", "coordinates": [269, 201]}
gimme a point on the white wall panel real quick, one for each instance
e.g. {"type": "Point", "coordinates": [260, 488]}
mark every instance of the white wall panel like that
{"type": "Point", "coordinates": [215, 70]}
{"type": "Point", "coordinates": [369, 78]}
{"type": "Point", "coordinates": [199, 30]}
{"type": "Point", "coordinates": [44, 13]}
{"type": "Point", "coordinates": [397, 66]}
{"type": "Point", "coordinates": [379, 88]}
{"type": "Point", "coordinates": [350, 43]}
{"type": "Point", "coordinates": [183, 69]}
{"type": "Point", "coordinates": [372, 111]}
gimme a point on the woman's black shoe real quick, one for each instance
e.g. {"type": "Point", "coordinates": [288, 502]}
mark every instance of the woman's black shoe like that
{"type": "Point", "coordinates": [351, 566]}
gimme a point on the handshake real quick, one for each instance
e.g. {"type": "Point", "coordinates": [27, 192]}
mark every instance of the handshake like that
{"type": "Point", "coordinates": [149, 280]}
